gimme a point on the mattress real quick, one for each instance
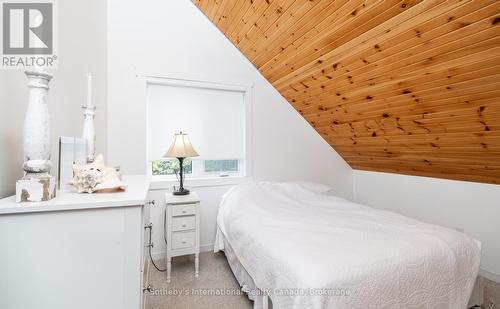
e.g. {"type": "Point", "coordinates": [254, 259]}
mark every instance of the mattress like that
{"type": "Point", "coordinates": [308, 249]}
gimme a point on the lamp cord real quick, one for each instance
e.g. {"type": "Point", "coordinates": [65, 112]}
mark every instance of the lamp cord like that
{"type": "Point", "coordinates": [150, 256]}
{"type": "Point", "coordinates": [164, 238]}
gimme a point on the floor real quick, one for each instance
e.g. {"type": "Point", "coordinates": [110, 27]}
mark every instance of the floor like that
{"type": "Point", "coordinates": [205, 292]}
{"type": "Point", "coordinates": [216, 278]}
{"type": "Point", "coordinates": [491, 294]}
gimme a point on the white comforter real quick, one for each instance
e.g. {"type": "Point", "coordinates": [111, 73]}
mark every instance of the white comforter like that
{"type": "Point", "coordinates": [297, 242]}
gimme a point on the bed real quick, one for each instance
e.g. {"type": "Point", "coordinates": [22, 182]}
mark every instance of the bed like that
{"type": "Point", "coordinates": [302, 247]}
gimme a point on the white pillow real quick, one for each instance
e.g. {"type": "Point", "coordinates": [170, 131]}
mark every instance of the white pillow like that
{"type": "Point", "coordinates": [311, 186]}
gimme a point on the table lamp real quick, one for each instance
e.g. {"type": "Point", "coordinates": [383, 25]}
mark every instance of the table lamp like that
{"type": "Point", "coordinates": [181, 148]}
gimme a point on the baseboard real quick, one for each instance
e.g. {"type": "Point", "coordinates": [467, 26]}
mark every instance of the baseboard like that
{"type": "Point", "coordinates": [207, 248]}
{"type": "Point", "coordinates": [489, 275]}
{"type": "Point", "coordinates": [161, 254]}
{"type": "Point", "coordinates": [158, 255]}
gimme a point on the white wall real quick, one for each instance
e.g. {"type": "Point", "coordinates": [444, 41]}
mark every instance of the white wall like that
{"type": "Point", "coordinates": [82, 48]}
{"type": "Point", "coordinates": [10, 151]}
{"type": "Point", "coordinates": [472, 207]}
{"type": "Point", "coordinates": [13, 102]}
{"type": "Point", "coordinates": [174, 39]}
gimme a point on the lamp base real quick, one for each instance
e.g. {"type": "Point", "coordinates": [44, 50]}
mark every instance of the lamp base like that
{"type": "Point", "coordinates": [181, 192]}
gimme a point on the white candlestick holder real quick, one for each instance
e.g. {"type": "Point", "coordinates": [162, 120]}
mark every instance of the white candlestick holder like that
{"type": "Point", "coordinates": [37, 184]}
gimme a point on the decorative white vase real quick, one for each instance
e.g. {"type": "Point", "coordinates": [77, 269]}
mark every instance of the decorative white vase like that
{"type": "Point", "coordinates": [37, 183]}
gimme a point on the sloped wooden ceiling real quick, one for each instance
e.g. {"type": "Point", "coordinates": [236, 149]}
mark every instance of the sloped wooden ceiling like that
{"type": "Point", "coordinates": [409, 86]}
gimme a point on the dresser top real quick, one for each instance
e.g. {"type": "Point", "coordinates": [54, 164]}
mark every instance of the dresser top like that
{"type": "Point", "coordinates": [135, 194]}
{"type": "Point", "coordinates": [191, 198]}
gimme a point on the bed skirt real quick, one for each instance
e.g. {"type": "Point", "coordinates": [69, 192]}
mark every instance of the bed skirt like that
{"type": "Point", "coordinates": [260, 300]}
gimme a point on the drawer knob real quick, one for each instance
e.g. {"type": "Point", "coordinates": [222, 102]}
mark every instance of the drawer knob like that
{"type": "Point", "coordinates": [183, 211]}
{"type": "Point", "coordinates": [183, 241]}
{"type": "Point", "coordinates": [183, 225]}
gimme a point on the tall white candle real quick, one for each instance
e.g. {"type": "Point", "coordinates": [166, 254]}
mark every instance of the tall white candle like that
{"type": "Point", "coordinates": [89, 90]}
{"type": "Point", "coordinates": [88, 122]}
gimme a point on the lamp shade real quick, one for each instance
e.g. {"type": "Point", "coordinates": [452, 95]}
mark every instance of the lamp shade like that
{"type": "Point", "coordinates": [181, 147]}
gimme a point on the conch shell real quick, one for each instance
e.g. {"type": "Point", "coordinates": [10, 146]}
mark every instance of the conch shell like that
{"type": "Point", "coordinates": [96, 177]}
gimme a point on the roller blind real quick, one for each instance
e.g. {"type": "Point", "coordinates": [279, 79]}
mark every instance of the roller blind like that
{"type": "Point", "coordinates": [214, 120]}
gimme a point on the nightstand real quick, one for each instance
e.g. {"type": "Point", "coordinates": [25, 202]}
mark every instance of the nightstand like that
{"type": "Point", "coordinates": [183, 228]}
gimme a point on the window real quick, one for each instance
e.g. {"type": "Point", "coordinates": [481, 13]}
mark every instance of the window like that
{"type": "Point", "coordinates": [170, 167]}
{"type": "Point", "coordinates": [213, 116]}
{"type": "Point", "coordinates": [221, 166]}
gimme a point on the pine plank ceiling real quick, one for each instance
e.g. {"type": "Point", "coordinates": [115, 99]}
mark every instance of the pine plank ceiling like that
{"type": "Point", "coordinates": [410, 87]}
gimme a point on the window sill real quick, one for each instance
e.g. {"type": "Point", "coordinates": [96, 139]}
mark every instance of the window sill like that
{"type": "Point", "coordinates": [158, 183]}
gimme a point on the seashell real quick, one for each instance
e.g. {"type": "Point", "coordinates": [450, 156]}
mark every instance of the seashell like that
{"type": "Point", "coordinates": [96, 177]}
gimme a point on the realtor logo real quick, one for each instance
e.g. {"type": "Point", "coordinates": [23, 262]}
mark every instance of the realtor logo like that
{"type": "Point", "coordinates": [28, 34]}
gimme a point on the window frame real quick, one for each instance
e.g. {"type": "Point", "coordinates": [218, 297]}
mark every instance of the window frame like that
{"type": "Point", "coordinates": [198, 169]}
{"type": "Point", "coordinates": [166, 181]}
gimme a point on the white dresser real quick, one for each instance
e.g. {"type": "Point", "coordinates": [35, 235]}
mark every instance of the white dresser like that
{"type": "Point", "coordinates": [76, 251]}
{"type": "Point", "coordinates": [183, 228]}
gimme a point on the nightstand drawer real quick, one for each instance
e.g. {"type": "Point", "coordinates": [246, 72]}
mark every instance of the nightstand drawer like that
{"type": "Point", "coordinates": [183, 240]}
{"type": "Point", "coordinates": [183, 210]}
{"type": "Point", "coordinates": [183, 223]}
